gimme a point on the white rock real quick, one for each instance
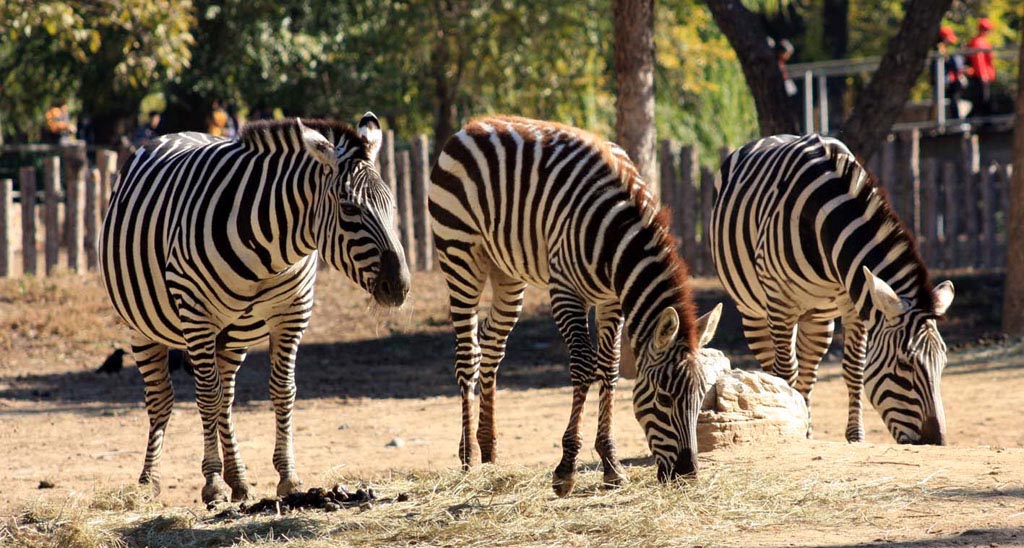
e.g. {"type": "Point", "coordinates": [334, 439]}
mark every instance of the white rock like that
{"type": "Point", "coordinates": [748, 406]}
{"type": "Point", "coordinates": [396, 442]}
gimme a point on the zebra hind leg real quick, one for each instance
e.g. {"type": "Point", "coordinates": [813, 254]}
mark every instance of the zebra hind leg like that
{"type": "Point", "coordinates": [813, 338]}
{"type": "Point", "coordinates": [854, 353]}
{"type": "Point", "coordinates": [228, 361]}
{"type": "Point", "coordinates": [609, 341]}
{"type": "Point", "coordinates": [570, 314]}
{"type": "Point", "coordinates": [507, 303]}
{"type": "Point", "coordinates": [151, 358]}
{"type": "Point", "coordinates": [202, 352]}
{"type": "Point", "coordinates": [465, 275]}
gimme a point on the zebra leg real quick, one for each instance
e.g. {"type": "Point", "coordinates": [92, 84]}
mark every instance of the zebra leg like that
{"type": "Point", "coordinates": [229, 360]}
{"type": "Point", "coordinates": [854, 352]}
{"type": "Point", "coordinates": [507, 303]}
{"type": "Point", "coordinates": [284, 346]}
{"type": "Point", "coordinates": [781, 329]}
{"type": "Point", "coordinates": [609, 340]}
{"type": "Point", "coordinates": [202, 352]}
{"type": "Point", "coordinates": [151, 358]}
{"type": "Point", "coordinates": [813, 338]}
{"type": "Point", "coordinates": [465, 277]}
{"type": "Point", "coordinates": [755, 330]}
{"type": "Point", "coordinates": [570, 314]}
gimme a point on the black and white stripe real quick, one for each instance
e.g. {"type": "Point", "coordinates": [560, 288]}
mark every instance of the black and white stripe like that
{"type": "Point", "coordinates": [801, 235]}
{"type": "Point", "coordinates": [522, 202]}
{"type": "Point", "coordinates": [211, 245]}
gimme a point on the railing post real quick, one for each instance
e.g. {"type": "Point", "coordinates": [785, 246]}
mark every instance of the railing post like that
{"type": "Point", "coordinates": [387, 163]}
{"type": "Point", "coordinates": [74, 212]}
{"type": "Point", "coordinates": [406, 230]}
{"type": "Point", "coordinates": [823, 105]}
{"type": "Point", "coordinates": [6, 245]}
{"type": "Point", "coordinates": [420, 180]}
{"type": "Point", "coordinates": [27, 184]}
{"type": "Point", "coordinates": [808, 102]}
{"type": "Point", "coordinates": [940, 91]}
{"type": "Point", "coordinates": [51, 213]}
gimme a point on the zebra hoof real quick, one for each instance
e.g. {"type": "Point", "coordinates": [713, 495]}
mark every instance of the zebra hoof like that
{"type": "Point", "coordinates": [614, 478]}
{"type": "Point", "coordinates": [243, 492]}
{"type": "Point", "coordinates": [153, 483]}
{"type": "Point", "coordinates": [215, 491]}
{"type": "Point", "coordinates": [563, 485]}
{"type": "Point", "coordinates": [288, 486]}
{"type": "Point", "coordinates": [855, 437]}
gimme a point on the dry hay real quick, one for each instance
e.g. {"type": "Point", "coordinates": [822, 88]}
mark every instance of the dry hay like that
{"type": "Point", "coordinates": [495, 506]}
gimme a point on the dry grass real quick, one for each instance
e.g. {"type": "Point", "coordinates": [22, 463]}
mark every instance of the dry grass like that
{"type": "Point", "coordinates": [497, 506]}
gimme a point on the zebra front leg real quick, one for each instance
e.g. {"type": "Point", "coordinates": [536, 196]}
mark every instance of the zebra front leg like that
{"type": "Point", "coordinates": [202, 351]}
{"type": "Point", "coordinates": [229, 360]}
{"type": "Point", "coordinates": [506, 304]}
{"type": "Point", "coordinates": [755, 330]}
{"type": "Point", "coordinates": [609, 321]}
{"type": "Point", "coordinates": [284, 346]}
{"type": "Point", "coordinates": [151, 358]}
{"type": "Point", "coordinates": [854, 353]}
{"type": "Point", "coordinates": [782, 330]}
{"type": "Point", "coordinates": [571, 318]}
{"type": "Point", "coordinates": [813, 337]}
{"type": "Point", "coordinates": [465, 275]}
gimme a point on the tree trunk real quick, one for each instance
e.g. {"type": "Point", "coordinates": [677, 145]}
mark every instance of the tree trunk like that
{"type": "Point", "coordinates": [883, 100]}
{"type": "Point", "coordinates": [748, 39]}
{"type": "Point", "coordinates": [1013, 298]}
{"type": "Point", "coordinates": [444, 95]}
{"type": "Point", "coordinates": [836, 37]}
{"type": "Point", "coordinates": [634, 75]}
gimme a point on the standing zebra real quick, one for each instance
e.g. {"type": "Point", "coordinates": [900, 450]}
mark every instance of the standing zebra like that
{"type": "Point", "coordinates": [528, 202]}
{"type": "Point", "coordinates": [211, 245]}
{"type": "Point", "coordinates": [801, 235]}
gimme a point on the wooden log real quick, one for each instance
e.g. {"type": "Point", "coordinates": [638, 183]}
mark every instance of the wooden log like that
{"type": "Point", "coordinates": [668, 161]}
{"type": "Point", "coordinates": [909, 181]}
{"type": "Point", "coordinates": [92, 218]}
{"type": "Point", "coordinates": [988, 207]}
{"type": "Point", "coordinates": [51, 213]}
{"type": "Point", "coordinates": [27, 184]}
{"type": "Point", "coordinates": [6, 229]}
{"type": "Point", "coordinates": [951, 215]}
{"type": "Point", "coordinates": [387, 163]}
{"type": "Point", "coordinates": [971, 167]}
{"type": "Point", "coordinates": [74, 220]}
{"type": "Point", "coordinates": [687, 205]}
{"type": "Point", "coordinates": [106, 161]}
{"type": "Point", "coordinates": [707, 194]}
{"type": "Point", "coordinates": [928, 211]}
{"type": "Point", "coordinates": [421, 218]}
{"type": "Point", "coordinates": [406, 232]}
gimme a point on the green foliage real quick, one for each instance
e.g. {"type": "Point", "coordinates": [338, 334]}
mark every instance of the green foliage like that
{"type": "Point", "coordinates": [105, 52]}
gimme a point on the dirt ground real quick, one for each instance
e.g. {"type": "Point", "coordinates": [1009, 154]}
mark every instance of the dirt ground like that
{"type": "Point", "coordinates": [368, 378]}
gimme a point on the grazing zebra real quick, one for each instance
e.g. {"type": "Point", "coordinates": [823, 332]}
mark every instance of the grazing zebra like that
{"type": "Point", "coordinates": [211, 245]}
{"type": "Point", "coordinates": [801, 235]}
{"type": "Point", "coordinates": [522, 202]}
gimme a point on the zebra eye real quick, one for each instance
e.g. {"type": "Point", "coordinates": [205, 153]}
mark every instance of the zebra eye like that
{"type": "Point", "coordinates": [349, 209]}
{"type": "Point", "coordinates": [663, 399]}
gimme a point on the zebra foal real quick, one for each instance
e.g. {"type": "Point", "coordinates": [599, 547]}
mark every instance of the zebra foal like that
{"type": "Point", "coordinates": [801, 235]}
{"type": "Point", "coordinates": [211, 245]}
{"type": "Point", "coordinates": [519, 202]}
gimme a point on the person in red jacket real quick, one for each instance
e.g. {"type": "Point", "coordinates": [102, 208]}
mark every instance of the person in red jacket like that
{"type": "Point", "coordinates": [980, 71]}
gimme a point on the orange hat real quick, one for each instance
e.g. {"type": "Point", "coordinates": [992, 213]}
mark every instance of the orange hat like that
{"type": "Point", "coordinates": [985, 24]}
{"type": "Point", "coordinates": [946, 34]}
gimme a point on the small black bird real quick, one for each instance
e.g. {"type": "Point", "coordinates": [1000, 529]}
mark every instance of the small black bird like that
{"type": "Point", "coordinates": [113, 364]}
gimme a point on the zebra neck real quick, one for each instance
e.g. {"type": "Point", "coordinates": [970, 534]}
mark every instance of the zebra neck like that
{"type": "Point", "coordinates": [284, 215]}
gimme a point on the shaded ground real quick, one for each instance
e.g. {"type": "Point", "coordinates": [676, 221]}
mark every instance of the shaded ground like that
{"type": "Point", "coordinates": [85, 433]}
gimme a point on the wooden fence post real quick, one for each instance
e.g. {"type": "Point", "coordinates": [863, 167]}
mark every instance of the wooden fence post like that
{"type": "Point", "coordinates": [971, 166]}
{"type": "Point", "coordinates": [888, 166]}
{"type": "Point", "coordinates": [74, 209]}
{"type": "Point", "coordinates": [92, 218]}
{"type": "Point", "coordinates": [421, 218]}
{"type": "Point", "coordinates": [951, 216]}
{"type": "Point", "coordinates": [6, 245]}
{"type": "Point", "coordinates": [688, 205]}
{"type": "Point", "coordinates": [1004, 207]}
{"type": "Point", "coordinates": [668, 159]}
{"type": "Point", "coordinates": [909, 205]}
{"type": "Point", "coordinates": [707, 190]}
{"type": "Point", "coordinates": [106, 161]}
{"type": "Point", "coordinates": [928, 210]}
{"type": "Point", "coordinates": [27, 183]}
{"type": "Point", "coordinates": [988, 224]}
{"type": "Point", "coordinates": [51, 213]}
{"type": "Point", "coordinates": [403, 180]}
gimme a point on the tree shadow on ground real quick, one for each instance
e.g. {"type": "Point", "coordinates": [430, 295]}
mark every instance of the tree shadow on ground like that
{"type": "Point", "coordinates": [1003, 536]}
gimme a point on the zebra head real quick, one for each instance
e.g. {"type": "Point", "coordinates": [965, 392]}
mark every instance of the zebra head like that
{"type": "Point", "coordinates": [355, 227]}
{"type": "Point", "coordinates": [904, 363]}
{"type": "Point", "coordinates": [670, 388]}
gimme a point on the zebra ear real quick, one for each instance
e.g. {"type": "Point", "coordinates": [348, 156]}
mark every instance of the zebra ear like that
{"type": "Point", "coordinates": [943, 297]}
{"type": "Point", "coordinates": [666, 330]}
{"type": "Point", "coordinates": [317, 145]}
{"type": "Point", "coordinates": [883, 297]}
{"type": "Point", "coordinates": [369, 131]}
{"type": "Point", "coordinates": [708, 324]}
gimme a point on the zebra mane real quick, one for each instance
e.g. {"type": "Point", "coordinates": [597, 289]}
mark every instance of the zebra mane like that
{"type": "Point", "coordinates": [284, 135]}
{"type": "Point", "coordinates": [875, 198]}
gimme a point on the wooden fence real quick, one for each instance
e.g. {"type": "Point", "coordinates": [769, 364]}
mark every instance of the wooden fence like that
{"type": "Point", "coordinates": [956, 205]}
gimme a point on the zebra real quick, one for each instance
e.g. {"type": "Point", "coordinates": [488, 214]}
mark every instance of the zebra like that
{"type": "Point", "coordinates": [800, 235]}
{"type": "Point", "coordinates": [211, 244]}
{"type": "Point", "coordinates": [522, 201]}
